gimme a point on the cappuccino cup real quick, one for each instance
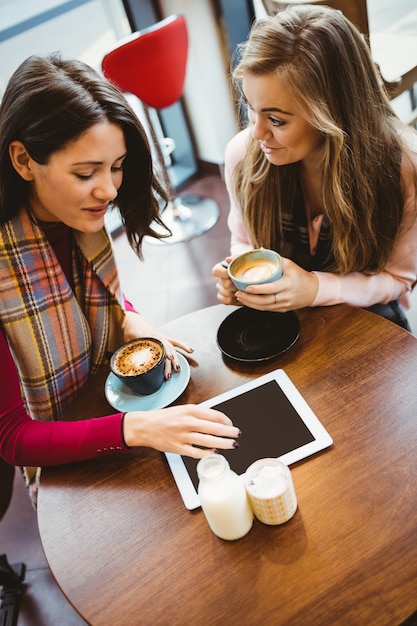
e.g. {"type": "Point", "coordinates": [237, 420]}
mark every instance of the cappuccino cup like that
{"type": "Point", "coordinates": [255, 267]}
{"type": "Point", "coordinates": [140, 364]}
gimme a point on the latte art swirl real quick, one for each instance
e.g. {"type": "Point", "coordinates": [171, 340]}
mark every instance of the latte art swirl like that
{"type": "Point", "coordinates": [137, 358]}
{"type": "Point", "coordinates": [255, 270]}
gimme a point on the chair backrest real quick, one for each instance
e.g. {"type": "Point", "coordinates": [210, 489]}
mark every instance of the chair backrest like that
{"type": "Point", "coordinates": [151, 63]}
{"type": "Point", "coordinates": [354, 10]}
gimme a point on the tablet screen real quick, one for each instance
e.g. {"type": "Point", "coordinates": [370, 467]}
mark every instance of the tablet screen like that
{"type": "Point", "coordinates": [275, 422]}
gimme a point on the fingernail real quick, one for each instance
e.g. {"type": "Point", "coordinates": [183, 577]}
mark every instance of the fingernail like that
{"type": "Point", "coordinates": [168, 376]}
{"type": "Point", "coordinates": [177, 368]}
{"type": "Point", "coordinates": [235, 444]}
{"type": "Point", "coordinates": [239, 433]}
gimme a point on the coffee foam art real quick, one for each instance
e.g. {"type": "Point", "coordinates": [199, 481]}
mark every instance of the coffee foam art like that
{"type": "Point", "coordinates": [138, 357]}
{"type": "Point", "coordinates": [255, 270]}
{"type": "Point", "coordinates": [254, 267]}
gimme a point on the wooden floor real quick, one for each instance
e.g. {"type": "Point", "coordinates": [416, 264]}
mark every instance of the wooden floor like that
{"type": "Point", "coordinates": [175, 279]}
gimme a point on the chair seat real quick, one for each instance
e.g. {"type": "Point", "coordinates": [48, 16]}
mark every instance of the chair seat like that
{"type": "Point", "coordinates": [151, 64]}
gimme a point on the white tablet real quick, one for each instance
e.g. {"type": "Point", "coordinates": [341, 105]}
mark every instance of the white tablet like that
{"type": "Point", "coordinates": [275, 421]}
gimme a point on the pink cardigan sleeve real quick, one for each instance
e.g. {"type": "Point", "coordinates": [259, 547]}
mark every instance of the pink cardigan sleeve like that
{"type": "Point", "coordinates": [235, 149]}
{"type": "Point", "coordinates": [27, 442]}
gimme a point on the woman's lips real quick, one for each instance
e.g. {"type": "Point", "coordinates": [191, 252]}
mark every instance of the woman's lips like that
{"type": "Point", "coordinates": [97, 210]}
{"type": "Point", "coordinates": [267, 149]}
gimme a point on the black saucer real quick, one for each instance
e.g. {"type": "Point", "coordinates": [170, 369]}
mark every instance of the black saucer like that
{"type": "Point", "coordinates": [251, 335]}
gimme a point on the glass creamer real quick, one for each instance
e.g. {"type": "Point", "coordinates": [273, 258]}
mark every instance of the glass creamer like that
{"type": "Point", "coordinates": [223, 498]}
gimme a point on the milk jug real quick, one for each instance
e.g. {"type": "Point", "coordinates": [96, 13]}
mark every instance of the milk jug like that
{"type": "Point", "coordinates": [223, 498]}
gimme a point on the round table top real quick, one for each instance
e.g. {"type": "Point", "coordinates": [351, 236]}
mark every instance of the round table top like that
{"type": "Point", "coordinates": [122, 546]}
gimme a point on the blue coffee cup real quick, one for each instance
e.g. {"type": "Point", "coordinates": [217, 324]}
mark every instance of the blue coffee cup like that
{"type": "Point", "coordinates": [255, 267]}
{"type": "Point", "coordinates": [140, 364]}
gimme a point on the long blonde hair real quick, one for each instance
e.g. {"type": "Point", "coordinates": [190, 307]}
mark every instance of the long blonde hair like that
{"type": "Point", "coordinates": [323, 59]}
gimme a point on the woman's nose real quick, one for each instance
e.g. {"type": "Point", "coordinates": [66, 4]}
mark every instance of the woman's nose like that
{"type": "Point", "coordinates": [259, 130]}
{"type": "Point", "coordinates": [106, 188]}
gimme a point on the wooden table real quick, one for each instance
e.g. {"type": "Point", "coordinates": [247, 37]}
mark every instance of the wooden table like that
{"type": "Point", "coordinates": [125, 551]}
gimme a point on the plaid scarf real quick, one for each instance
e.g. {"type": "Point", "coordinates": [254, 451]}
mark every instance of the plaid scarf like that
{"type": "Point", "coordinates": [58, 337]}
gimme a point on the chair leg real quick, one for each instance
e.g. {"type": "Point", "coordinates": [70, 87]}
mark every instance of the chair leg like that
{"type": "Point", "coordinates": [413, 98]}
{"type": "Point", "coordinates": [186, 217]}
{"type": "Point", "coordinates": [7, 477]}
{"type": "Point", "coordinates": [411, 118]}
{"type": "Point", "coordinates": [11, 578]}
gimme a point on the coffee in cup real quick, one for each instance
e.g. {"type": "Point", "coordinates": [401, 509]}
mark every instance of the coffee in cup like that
{"type": "Point", "coordinates": [255, 267]}
{"type": "Point", "coordinates": [140, 363]}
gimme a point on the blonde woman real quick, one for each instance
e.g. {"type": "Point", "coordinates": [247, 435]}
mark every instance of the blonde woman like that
{"type": "Point", "coordinates": [324, 173]}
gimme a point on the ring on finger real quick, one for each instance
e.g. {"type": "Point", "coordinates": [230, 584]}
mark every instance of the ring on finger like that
{"type": "Point", "coordinates": [276, 298]}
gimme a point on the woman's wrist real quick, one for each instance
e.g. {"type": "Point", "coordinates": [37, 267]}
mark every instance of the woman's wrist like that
{"type": "Point", "coordinates": [123, 425]}
{"type": "Point", "coordinates": [134, 429]}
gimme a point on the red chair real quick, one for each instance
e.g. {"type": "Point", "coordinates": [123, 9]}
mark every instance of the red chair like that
{"type": "Point", "coordinates": [151, 65]}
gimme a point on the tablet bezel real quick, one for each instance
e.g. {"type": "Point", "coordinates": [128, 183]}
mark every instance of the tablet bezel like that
{"type": "Point", "coordinates": [321, 439]}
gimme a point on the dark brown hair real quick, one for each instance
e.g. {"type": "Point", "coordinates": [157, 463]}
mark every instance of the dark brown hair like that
{"type": "Point", "coordinates": [48, 103]}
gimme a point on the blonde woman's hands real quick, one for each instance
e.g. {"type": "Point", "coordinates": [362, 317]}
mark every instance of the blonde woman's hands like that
{"type": "Point", "coordinates": [179, 429]}
{"type": "Point", "coordinates": [296, 289]}
{"type": "Point", "coordinates": [136, 325]}
{"type": "Point", "coordinates": [226, 290]}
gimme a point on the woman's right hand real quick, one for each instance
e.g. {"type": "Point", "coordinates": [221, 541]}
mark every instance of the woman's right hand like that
{"type": "Point", "coordinates": [226, 290]}
{"type": "Point", "coordinates": [179, 429]}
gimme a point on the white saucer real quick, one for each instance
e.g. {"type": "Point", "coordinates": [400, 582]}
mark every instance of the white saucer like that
{"type": "Point", "coordinates": [122, 398]}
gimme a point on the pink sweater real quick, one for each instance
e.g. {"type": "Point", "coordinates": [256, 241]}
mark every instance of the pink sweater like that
{"type": "Point", "coordinates": [26, 442]}
{"type": "Point", "coordinates": [357, 289]}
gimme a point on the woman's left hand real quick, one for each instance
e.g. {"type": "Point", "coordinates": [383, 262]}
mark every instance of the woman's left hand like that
{"type": "Point", "coordinates": [136, 325]}
{"type": "Point", "coordinates": [296, 289]}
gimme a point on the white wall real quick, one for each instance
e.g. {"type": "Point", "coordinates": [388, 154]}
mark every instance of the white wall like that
{"type": "Point", "coordinates": [206, 92]}
{"type": "Point", "coordinates": [85, 32]}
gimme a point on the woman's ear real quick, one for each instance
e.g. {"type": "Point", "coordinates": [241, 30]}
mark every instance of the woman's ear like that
{"type": "Point", "coordinates": [21, 160]}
